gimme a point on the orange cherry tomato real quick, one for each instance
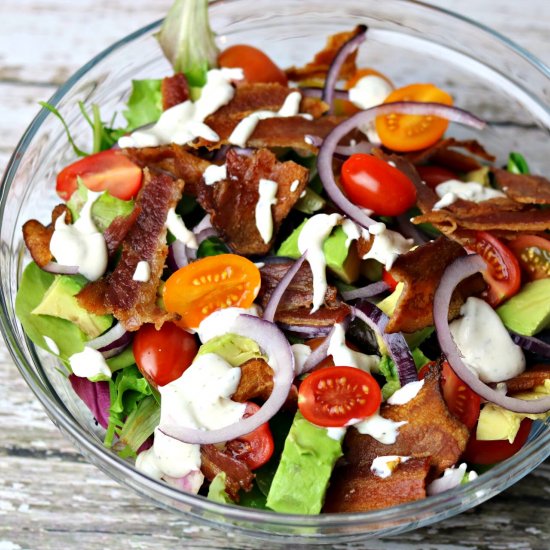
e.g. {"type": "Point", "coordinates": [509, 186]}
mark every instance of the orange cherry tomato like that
{"type": "Point", "coordinates": [372, 183]}
{"type": "Point", "coordinates": [256, 65]}
{"type": "Point", "coordinates": [533, 253]}
{"type": "Point", "coordinates": [413, 132]}
{"type": "Point", "coordinates": [332, 396]}
{"type": "Point", "coordinates": [109, 170]}
{"type": "Point", "coordinates": [210, 284]}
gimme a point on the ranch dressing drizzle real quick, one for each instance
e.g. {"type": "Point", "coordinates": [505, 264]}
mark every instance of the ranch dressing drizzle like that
{"type": "Point", "coordinates": [451, 190]}
{"type": "Point", "coordinates": [344, 356]}
{"type": "Point", "coordinates": [185, 122]}
{"type": "Point", "coordinates": [384, 466]}
{"type": "Point", "coordinates": [310, 242]}
{"type": "Point", "coordinates": [380, 428]}
{"type": "Point", "coordinates": [177, 227]}
{"type": "Point", "coordinates": [214, 173]}
{"type": "Point", "coordinates": [89, 363]}
{"type": "Point", "coordinates": [387, 245]}
{"type": "Point", "coordinates": [81, 244]}
{"type": "Point", "coordinates": [142, 273]}
{"type": "Point", "coordinates": [267, 190]}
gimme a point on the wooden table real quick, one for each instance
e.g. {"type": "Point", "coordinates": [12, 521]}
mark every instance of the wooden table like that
{"type": "Point", "coordinates": [49, 496]}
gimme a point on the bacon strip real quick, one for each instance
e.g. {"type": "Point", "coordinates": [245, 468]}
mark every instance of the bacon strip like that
{"type": "Point", "coordinates": [115, 234]}
{"type": "Point", "coordinates": [523, 188]}
{"type": "Point", "coordinates": [232, 203]}
{"type": "Point", "coordinates": [174, 90]}
{"type": "Point", "coordinates": [37, 237]}
{"type": "Point", "coordinates": [529, 379]}
{"type": "Point", "coordinates": [318, 68]}
{"type": "Point", "coordinates": [133, 303]}
{"type": "Point", "coordinates": [421, 270]}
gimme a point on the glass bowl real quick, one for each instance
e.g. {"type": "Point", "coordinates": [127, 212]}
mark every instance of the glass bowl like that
{"type": "Point", "coordinates": [410, 42]}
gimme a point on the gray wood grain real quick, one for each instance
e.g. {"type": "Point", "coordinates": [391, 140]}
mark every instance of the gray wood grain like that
{"type": "Point", "coordinates": [50, 498]}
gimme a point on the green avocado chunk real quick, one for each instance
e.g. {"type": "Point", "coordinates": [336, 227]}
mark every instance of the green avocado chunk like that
{"type": "Point", "coordinates": [60, 301]}
{"type": "Point", "coordinates": [342, 260]}
{"type": "Point", "coordinates": [528, 312]}
{"type": "Point", "coordinates": [302, 478]}
{"type": "Point", "coordinates": [235, 349]}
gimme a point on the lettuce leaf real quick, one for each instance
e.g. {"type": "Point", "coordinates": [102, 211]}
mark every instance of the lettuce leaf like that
{"type": "Point", "coordinates": [216, 491]}
{"type": "Point", "coordinates": [145, 103]}
{"type": "Point", "coordinates": [388, 369]}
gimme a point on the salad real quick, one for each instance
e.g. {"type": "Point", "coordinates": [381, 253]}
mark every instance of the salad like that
{"type": "Point", "coordinates": [291, 289]}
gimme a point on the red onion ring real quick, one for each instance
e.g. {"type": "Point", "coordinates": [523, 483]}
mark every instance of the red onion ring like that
{"type": "Point", "coordinates": [204, 234]}
{"type": "Point", "coordinates": [456, 272]}
{"type": "Point", "coordinates": [361, 147]}
{"type": "Point", "coordinates": [271, 307]}
{"type": "Point", "coordinates": [274, 344]}
{"type": "Point", "coordinates": [531, 344]}
{"type": "Point", "coordinates": [306, 331]}
{"type": "Point", "coordinates": [311, 91]}
{"type": "Point", "coordinates": [409, 230]}
{"type": "Point", "coordinates": [177, 256]}
{"type": "Point", "coordinates": [374, 289]}
{"type": "Point", "coordinates": [334, 70]}
{"type": "Point", "coordinates": [109, 339]}
{"type": "Point", "coordinates": [318, 354]}
{"type": "Point", "coordinates": [58, 269]}
{"type": "Point", "coordinates": [398, 348]}
{"type": "Point", "coordinates": [326, 152]}
{"type": "Point", "coordinates": [205, 223]}
{"type": "Point", "coordinates": [449, 480]}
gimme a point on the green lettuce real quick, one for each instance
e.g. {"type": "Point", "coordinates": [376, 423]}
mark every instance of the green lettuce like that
{"type": "Point", "coordinates": [216, 491]}
{"type": "Point", "coordinates": [388, 369]}
{"type": "Point", "coordinates": [145, 103]}
{"type": "Point", "coordinates": [140, 424]}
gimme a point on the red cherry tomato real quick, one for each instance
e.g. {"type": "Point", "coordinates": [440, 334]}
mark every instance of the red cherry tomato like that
{"type": "Point", "coordinates": [255, 448]}
{"type": "Point", "coordinates": [106, 171]}
{"type": "Point", "coordinates": [491, 452]}
{"type": "Point", "coordinates": [461, 401]}
{"type": "Point", "coordinates": [533, 253]}
{"type": "Point", "coordinates": [434, 175]}
{"type": "Point", "coordinates": [256, 65]}
{"type": "Point", "coordinates": [163, 355]}
{"type": "Point", "coordinates": [503, 274]}
{"type": "Point", "coordinates": [332, 396]}
{"type": "Point", "coordinates": [389, 280]}
{"type": "Point", "coordinates": [372, 183]}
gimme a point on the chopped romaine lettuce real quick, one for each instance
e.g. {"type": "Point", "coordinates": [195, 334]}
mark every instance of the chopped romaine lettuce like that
{"type": "Point", "coordinates": [141, 423]}
{"type": "Point", "coordinates": [145, 103]}
{"type": "Point", "coordinates": [387, 368]}
{"type": "Point", "coordinates": [216, 491]}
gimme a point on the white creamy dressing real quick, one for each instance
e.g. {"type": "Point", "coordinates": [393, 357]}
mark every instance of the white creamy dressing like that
{"type": "Point", "coordinates": [314, 233]}
{"type": "Point", "coordinates": [214, 173]}
{"type": "Point", "coordinates": [89, 363]}
{"type": "Point", "coordinates": [220, 322]}
{"type": "Point", "coordinates": [185, 122]}
{"type": "Point", "coordinates": [177, 227]}
{"type": "Point", "coordinates": [485, 344]}
{"type": "Point", "coordinates": [380, 428]}
{"type": "Point", "coordinates": [267, 190]}
{"type": "Point", "coordinates": [452, 477]}
{"type": "Point", "coordinates": [81, 244]}
{"type": "Point", "coordinates": [294, 186]}
{"type": "Point", "coordinates": [52, 346]}
{"type": "Point", "coordinates": [242, 132]}
{"type": "Point", "coordinates": [336, 433]}
{"type": "Point", "coordinates": [344, 356]}
{"type": "Point", "coordinates": [387, 245]}
{"type": "Point", "coordinates": [354, 232]}
{"type": "Point", "coordinates": [405, 394]}
{"type": "Point", "coordinates": [142, 272]}
{"type": "Point", "coordinates": [384, 466]}
{"type": "Point", "coordinates": [451, 190]}
{"type": "Point", "coordinates": [301, 352]}
{"type": "Point", "coordinates": [369, 91]}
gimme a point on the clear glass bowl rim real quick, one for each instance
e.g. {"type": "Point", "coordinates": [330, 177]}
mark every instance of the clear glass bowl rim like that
{"type": "Point", "coordinates": [436, 507]}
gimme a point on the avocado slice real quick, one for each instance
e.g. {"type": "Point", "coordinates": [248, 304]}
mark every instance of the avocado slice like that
{"type": "Point", "coordinates": [60, 301]}
{"type": "Point", "coordinates": [302, 478]}
{"type": "Point", "coordinates": [342, 260]}
{"type": "Point", "coordinates": [528, 312]}
{"type": "Point", "coordinates": [235, 349]}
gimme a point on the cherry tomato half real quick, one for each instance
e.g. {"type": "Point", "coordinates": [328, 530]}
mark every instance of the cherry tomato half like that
{"type": "Point", "coordinates": [255, 448]}
{"type": "Point", "coordinates": [413, 132]}
{"type": "Point", "coordinates": [462, 402]}
{"type": "Point", "coordinates": [256, 65]}
{"type": "Point", "coordinates": [491, 452]}
{"type": "Point", "coordinates": [372, 183]}
{"type": "Point", "coordinates": [389, 280]}
{"type": "Point", "coordinates": [108, 171]}
{"type": "Point", "coordinates": [533, 253]}
{"type": "Point", "coordinates": [163, 355]}
{"type": "Point", "coordinates": [432, 176]}
{"type": "Point", "coordinates": [503, 274]}
{"type": "Point", "coordinates": [215, 282]}
{"type": "Point", "coordinates": [332, 396]}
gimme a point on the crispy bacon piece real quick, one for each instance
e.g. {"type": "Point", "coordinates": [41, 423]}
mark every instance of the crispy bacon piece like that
{"type": "Point", "coordinates": [431, 431]}
{"type": "Point", "coordinates": [238, 474]}
{"type": "Point", "coordinates": [37, 237]}
{"type": "Point", "coordinates": [118, 229]}
{"type": "Point", "coordinates": [295, 305]}
{"type": "Point", "coordinates": [421, 270]}
{"type": "Point", "coordinates": [232, 203]}
{"type": "Point", "coordinates": [356, 489]}
{"type": "Point", "coordinates": [133, 303]}
{"type": "Point", "coordinates": [174, 90]}
{"type": "Point", "coordinates": [318, 68]}
{"type": "Point", "coordinates": [529, 379]}
{"type": "Point", "coordinates": [523, 188]}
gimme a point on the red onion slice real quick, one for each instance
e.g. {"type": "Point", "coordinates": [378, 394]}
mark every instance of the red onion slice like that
{"type": "Point", "coordinates": [318, 354]}
{"type": "Point", "coordinates": [529, 343]}
{"type": "Point", "coordinates": [177, 255]}
{"type": "Point", "coordinates": [326, 152]}
{"type": "Point", "coordinates": [343, 150]}
{"type": "Point", "coordinates": [274, 344]}
{"type": "Point", "coordinates": [58, 269]}
{"type": "Point", "coordinates": [409, 230]}
{"type": "Point", "coordinates": [271, 307]}
{"type": "Point", "coordinates": [311, 91]}
{"type": "Point", "coordinates": [451, 478]}
{"type": "Point", "coordinates": [305, 331]}
{"type": "Point", "coordinates": [374, 289]}
{"type": "Point", "coordinates": [95, 395]}
{"type": "Point", "coordinates": [461, 269]}
{"type": "Point", "coordinates": [334, 70]}
{"type": "Point", "coordinates": [109, 339]}
{"type": "Point", "coordinates": [398, 348]}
